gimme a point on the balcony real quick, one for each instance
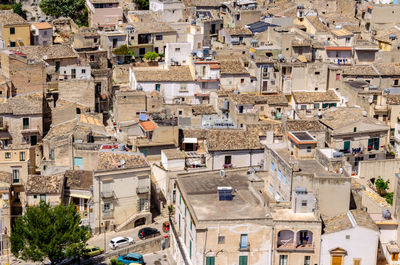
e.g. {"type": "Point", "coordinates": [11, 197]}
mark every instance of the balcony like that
{"type": "Point", "coordinates": [381, 109]}
{"type": "Point", "coordinates": [287, 242]}
{"type": "Point", "coordinates": [144, 189]}
{"type": "Point", "coordinates": [244, 247]}
{"type": "Point", "coordinates": [26, 129]}
{"type": "Point", "coordinates": [109, 214]}
{"type": "Point", "coordinates": [227, 165]}
{"type": "Point", "coordinates": [107, 194]}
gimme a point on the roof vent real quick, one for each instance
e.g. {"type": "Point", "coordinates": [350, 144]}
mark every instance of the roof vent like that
{"type": "Point", "coordinates": [225, 193]}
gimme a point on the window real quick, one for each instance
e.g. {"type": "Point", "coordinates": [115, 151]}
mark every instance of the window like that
{"type": "Point", "coordinates": [355, 129]}
{"type": "Point", "coordinates": [242, 80]}
{"type": "Point", "coordinates": [284, 179]}
{"type": "Point", "coordinates": [221, 239]}
{"type": "Point", "coordinates": [190, 248]}
{"type": "Point", "coordinates": [180, 113]}
{"type": "Point", "coordinates": [242, 260]}
{"type": "Point", "coordinates": [337, 77]}
{"type": "Point", "coordinates": [25, 122]}
{"type": "Point", "coordinates": [15, 175]}
{"type": "Point", "coordinates": [210, 260]}
{"type": "Point", "coordinates": [272, 166]}
{"type": "Point", "coordinates": [45, 32]}
{"type": "Point", "coordinates": [307, 260]}
{"type": "Point", "coordinates": [356, 261]}
{"type": "Point", "coordinates": [228, 160]}
{"type": "Point", "coordinates": [51, 154]}
{"type": "Point", "coordinates": [283, 259]}
{"type": "Point", "coordinates": [308, 149]}
{"type": "Point", "coordinates": [91, 58]}
{"type": "Point", "coordinates": [43, 197]}
{"type": "Point", "coordinates": [180, 199]}
{"type": "Point", "coordinates": [316, 73]}
{"type": "Point", "coordinates": [177, 49]}
{"type": "Point", "coordinates": [243, 241]}
{"type": "Point", "coordinates": [21, 156]}
{"type": "Point", "coordinates": [347, 236]}
{"type": "Point", "coordinates": [142, 51]}
{"type": "Point", "coordinates": [279, 174]}
{"type": "Point", "coordinates": [277, 196]}
{"type": "Point", "coordinates": [83, 71]}
{"type": "Point", "coordinates": [372, 156]}
{"type": "Point", "coordinates": [183, 88]}
{"type": "Point", "coordinates": [179, 217]}
{"type": "Point", "coordinates": [395, 256]}
{"type": "Point", "coordinates": [8, 155]}
{"type": "Point", "coordinates": [396, 82]}
{"type": "Point", "coordinates": [191, 224]}
{"type": "Point", "coordinates": [78, 161]}
{"type": "Point", "coordinates": [12, 31]}
{"type": "Point", "coordinates": [316, 105]}
{"type": "Point", "coordinates": [373, 143]}
{"type": "Point", "coordinates": [303, 107]}
{"type": "Point", "coordinates": [12, 44]}
{"type": "Point", "coordinates": [159, 37]}
{"type": "Point", "coordinates": [347, 40]}
{"type": "Point", "coordinates": [304, 203]}
{"type": "Point", "coordinates": [271, 189]}
{"type": "Point", "coordinates": [158, 87]}
{"type": "Point", "coordinates": [262, 108]}
{"type": "Point", "coordinates": [35, 196]}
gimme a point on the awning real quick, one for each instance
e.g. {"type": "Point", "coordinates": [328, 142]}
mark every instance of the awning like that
{"type": "Point", "coordinates": [190, 140]}
{"type": "Point", "coordinates": [77, 195]}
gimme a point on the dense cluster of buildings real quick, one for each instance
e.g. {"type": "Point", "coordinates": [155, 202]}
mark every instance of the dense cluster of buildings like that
{"type": "Point", "coordinates": [261, 128]}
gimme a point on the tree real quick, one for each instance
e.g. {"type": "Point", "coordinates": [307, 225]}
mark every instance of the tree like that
{"type": "Point", "coordinates": [142, 4]}
{"type": "Point", "coordinates": [124, 50]}
{"type": "Point", "coordinates": [17, 8]}
{"type": "Point", "coordinates": [389, 198]}
{"type": "Point", "coordinates": [115, 262]}
{"type": "Point", "coordinates": [151, 56]}
{"type": "Point", "coordinates": [48, 232]}
{"type": "Point", "coordinates": [74, 9]}
{"type": "Point", "coordinates": [381, 185]}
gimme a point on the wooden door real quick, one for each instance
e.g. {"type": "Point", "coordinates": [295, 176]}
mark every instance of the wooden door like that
{"type": "Point", "coordinates": [337, 260]}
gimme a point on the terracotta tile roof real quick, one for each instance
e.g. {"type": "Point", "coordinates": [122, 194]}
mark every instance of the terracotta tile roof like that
{"type": "Point", "coordinates": [341, 32]}
{"type": "Point", "coordinates": [236, 31]}
{"type": "Point", "coordinates": [304, 125]}
{"type": "Point", "coordinates": [253, 99]}
{"type": "Point", "coordinates": [206, 3]}
{"type": "Point", "coordinates": [48, 52]}
{"type": "Point", "coordinates": [43, 25]}
{"type": "Point", "coordinates": [393, 99]}
{"type": "Point", "coordinates": [261, 129]}
{"type": "Point", "coordinates": [38, 184]}
{"type": "Point", "coordinates": [203, 110]}
{"type": "Point", "coordinates": [154, 74]}
{"type": "Point", "coordinates": [25, 104]}
{"type": "Point", "coordinates": [147, 22]}
{"type": "Point", "coordinates": [195, 133]}
{"type": "Point", "coordinates": [236, 139]}
{"type": "Point", "coordinates": [383, 35]}
{"type": "Point", "coordinates": [9, 18]}
{"type": "Point", "coordinates": [317, 24]}
{"type": "Point", "coordinates": [311, 97]}
{"type": "Point", "coordinates": [342, 222]}
{"type": "Point", "coordinates": [233, 67]}
{"type": "Point", "coordinates": [109, 160]}
{"type": "Point", "coordinates": [361, 70]}
{"type": "Point", "coordinates": [148, 126]}
{"type": "Point", "coordinates": [78, 179]}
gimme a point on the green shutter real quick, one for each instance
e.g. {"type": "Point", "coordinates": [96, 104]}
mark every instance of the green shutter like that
{"type": "Point", "coordinates": [377, 144]}
{"type": "Point", "coordinates": [370, 143]}
{"type": "Point", "coordinates": [346, 146]}
{"type": "Point", "coordinates": [190, 249]}
{"type": "Point", "coordinates": [242, 260]}
{"type": "Point", "coordinates": [210, 260]}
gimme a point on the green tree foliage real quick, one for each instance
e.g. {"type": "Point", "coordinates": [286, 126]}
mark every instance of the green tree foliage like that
{"type": "Point", "coordinates": [142, 4]}
{"type": "Point", "coordinates": [151, 56]}
{"type": "Point", "coordinates": [115, 262]}
{"type": "Point", "coordinates": [48, 232]}
{"type": "Point", "coordinates": [17, 8]}
{"type": "Point", "coordinates": [389, 198]}
{"type": "Point", "coordinates": [381, 185]}
{"type": "Point", "coordinates": [74, 9]}
{"type": "Point", "coordinates": [124, 50]}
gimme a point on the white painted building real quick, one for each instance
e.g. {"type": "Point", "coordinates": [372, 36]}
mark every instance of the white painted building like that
{"type": "Point", "coordinates": [350, 238]}
{"type": "Point", "coordinates": [75, 72]}
{"type": "Point", "coordinates": [177, 53]}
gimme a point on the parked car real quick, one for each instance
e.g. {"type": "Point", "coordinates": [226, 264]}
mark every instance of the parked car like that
{"type": "Point", "coordinates": [148, 232]}
{"type": "Point", "coordinates": [131, 258]}
{"type": "Point", "coordinates": [91, 251]}
{"type": "Point", "coordinates": [120, 241]}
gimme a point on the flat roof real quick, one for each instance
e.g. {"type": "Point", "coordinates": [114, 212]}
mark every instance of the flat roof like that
{"type": "Point", "coordinates": [201, 194]}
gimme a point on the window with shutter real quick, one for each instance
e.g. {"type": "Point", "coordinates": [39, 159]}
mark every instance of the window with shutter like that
{"type": "Point", "coordinates": [242, 260]}
{"type": "Point", "coordinates": [210, 260]}
{"type": "Point", "coordinates": [356, 261]}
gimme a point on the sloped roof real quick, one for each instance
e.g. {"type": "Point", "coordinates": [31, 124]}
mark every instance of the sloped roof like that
{"type": "Point", "coordinates": [154, 74]}
{"type": "Point", "coordinates": [38, 184]}
{"type": "Point", "coordinates": [78, 179]}
{"type": "Point", "coordinates": [148, 126]}
{"type": "Point", "coordinates": [201, 109]}
{"type": "Point", "coordinates": [232, 67]}
{"type": "Point", "coordinates": [9, 18]}
{"type": "Point", "coordinates": [304, 125]}
{"type": "Point", "coordinates": [25, 104]}
{"type": "Point", "coordinates": [342, 222]}
{"type": "Point", "coordinates": [46, 52]}
{"type": "Point", "coordinates": [311, 97]}
{"type": "Point", "coordinates": [109, 160]}
{"type": "Point", "coordinates": [236, 139]}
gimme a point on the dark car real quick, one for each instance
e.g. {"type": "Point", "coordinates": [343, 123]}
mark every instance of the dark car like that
{"type": "Point", "coordinates": [148, 232]}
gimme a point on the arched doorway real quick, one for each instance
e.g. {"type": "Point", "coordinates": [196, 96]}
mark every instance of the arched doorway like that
{"type": "Point", "coordinates": [140, 221]}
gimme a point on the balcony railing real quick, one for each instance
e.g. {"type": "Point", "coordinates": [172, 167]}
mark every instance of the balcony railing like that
{"type": "Point", "coordinates": [290, 246]}
{"type": "Point", "coordinates": [244, 247]}
{"type": "Point", "coordinates": [144, 189]}
{"type": "Point", "coordinates": [109, 214]}
{"type": "Point", "coordinates": [107, 194]}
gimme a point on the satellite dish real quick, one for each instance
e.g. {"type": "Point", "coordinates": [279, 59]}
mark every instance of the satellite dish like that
{"type": "Point", "coordinates": [122, 161]}
{"type": "Point", "coordinates": [199, 54]}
